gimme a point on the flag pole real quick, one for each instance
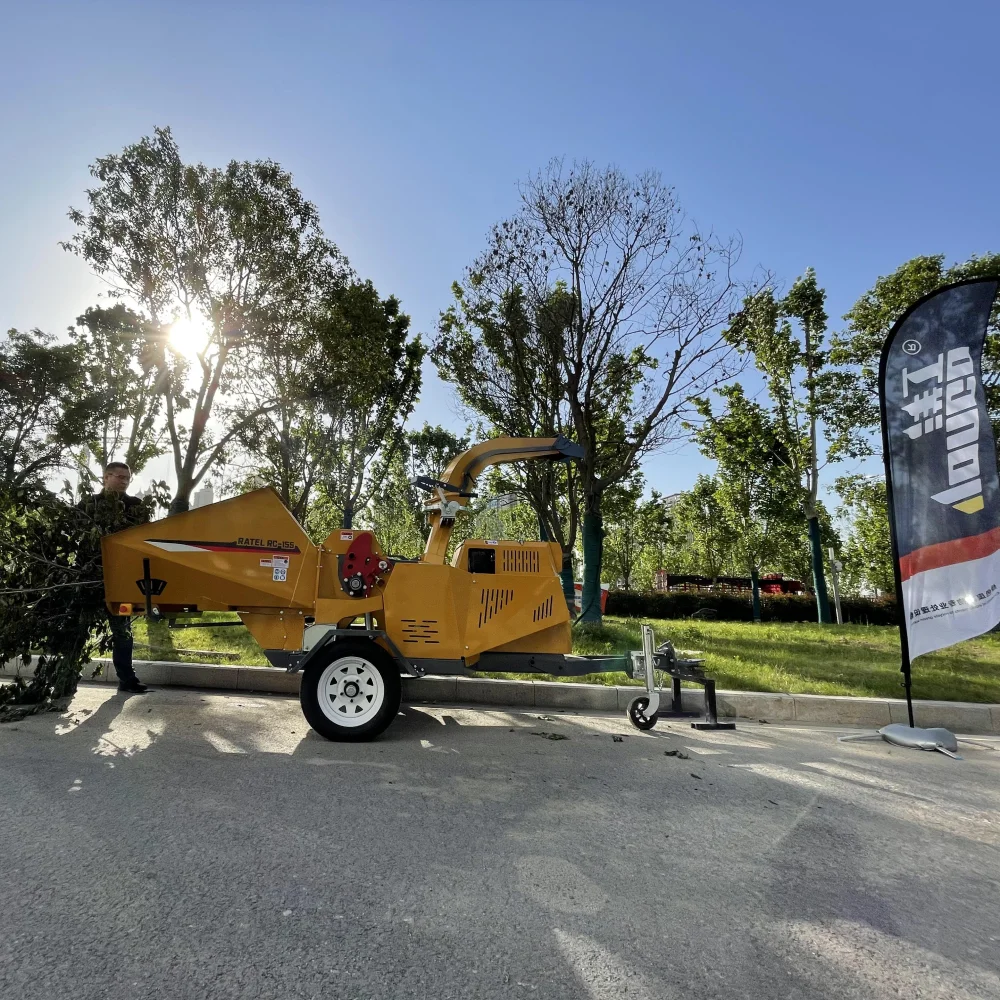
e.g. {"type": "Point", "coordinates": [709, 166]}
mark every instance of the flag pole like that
{"type": "Point", "coordinates": [904, 641]}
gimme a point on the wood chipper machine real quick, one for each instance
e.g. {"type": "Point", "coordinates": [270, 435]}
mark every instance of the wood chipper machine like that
{"type": "Point", "coordinates": [352, 617]}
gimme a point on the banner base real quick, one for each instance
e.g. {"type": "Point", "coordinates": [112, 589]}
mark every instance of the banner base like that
{"type": "Point", "coordinates": [912, 737]}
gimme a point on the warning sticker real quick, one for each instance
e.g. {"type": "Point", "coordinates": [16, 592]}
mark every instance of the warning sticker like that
{"type": "Point", "coordinates": [280, 564]}
{"type": "Point", "coordinates": [347, 536]}
{"type": "Point", "coordinates": [265, 562]}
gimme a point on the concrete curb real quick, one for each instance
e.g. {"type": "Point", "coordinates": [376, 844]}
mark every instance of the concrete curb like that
{"type": "Point", "coordinates": [864, 713]}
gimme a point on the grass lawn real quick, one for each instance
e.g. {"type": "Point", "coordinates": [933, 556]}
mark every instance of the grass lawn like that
{"type": "Point", "coordinates": [835, 659]}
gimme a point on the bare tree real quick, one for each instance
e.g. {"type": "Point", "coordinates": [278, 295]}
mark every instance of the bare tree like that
{"type": "Point", "coordinates": [650, 296]}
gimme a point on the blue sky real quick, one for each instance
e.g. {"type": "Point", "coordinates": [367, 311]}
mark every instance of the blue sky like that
{"type": "Point", "coordinates": [848, 137]}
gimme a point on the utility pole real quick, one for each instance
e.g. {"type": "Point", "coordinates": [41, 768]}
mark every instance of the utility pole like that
{"type": "Point", "coordinates": [835, 567]}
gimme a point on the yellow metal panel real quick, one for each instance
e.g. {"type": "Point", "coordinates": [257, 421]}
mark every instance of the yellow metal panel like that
{"type": "Point", "coordinates": [425, 609]}
{"type": "Point", "coordinates": [505, 606]}
{"type": "Point", "coordinates": [555, 639]}
{"type": "Point", "coordinates": [275, 630]}
{"type": "Point", "coordinates": [218, 557]}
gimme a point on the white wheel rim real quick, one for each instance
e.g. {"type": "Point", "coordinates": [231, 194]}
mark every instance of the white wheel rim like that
{"type": "Point", "coordinates": [350, 691]}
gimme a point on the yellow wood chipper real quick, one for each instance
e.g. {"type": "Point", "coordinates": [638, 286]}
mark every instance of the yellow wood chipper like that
{"type": "Point", "coordinates": [351, 616]}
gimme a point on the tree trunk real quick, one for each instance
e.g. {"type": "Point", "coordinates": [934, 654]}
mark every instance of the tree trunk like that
{"type": "Point", "coordinates": [819, 577]}
{"type": "Point", "coordinates": [568, 579]}
{"type": "Point", "coordinates": [593, 545]}
{"type": "Point", "coordinates": [182, 498]}
{"type": "Point", "coordinates": [755, 587]}
{"type": "Point", "coordinates": [349, 514]}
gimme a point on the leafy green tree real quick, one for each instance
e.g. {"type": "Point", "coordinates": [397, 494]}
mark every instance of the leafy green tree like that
{"type": "Point", "coordinates": [128, 426]}
{"type": "Point", "coordinates": [230, 251]}
{"type": "Point", "coordinates": [787, 339]}
{"type": "Point", "coordinates": [365, 408]}
{"type": "Point", "coordinates": [652, 527]}
{"type": "Point", "coordinates": [758, 492]}
{"type": "Point", "coordinates": [392, 512]}
{"type": "Point", "coordinates": [700, 540]}
{"type": "Point", "coordinates": [623, 542]}
{"type": "Point", "coordinates": [641, 299]}
{"type": "Point", "coordinates": [48, 405]}
{"type": "Point", "coordinates": [337, 409]}
{"type": "Point", "coordinates": [503, 354]}
{"type": "Point", "coordinates": [867, 554]}
{"type": "Point", "coordinates": [430, 451]}
{"type": "Point", "coordinates": [870, 319]}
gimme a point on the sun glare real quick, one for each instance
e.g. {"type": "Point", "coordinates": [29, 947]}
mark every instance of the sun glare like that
{"type": "Point", "coordinates": [188, 336]}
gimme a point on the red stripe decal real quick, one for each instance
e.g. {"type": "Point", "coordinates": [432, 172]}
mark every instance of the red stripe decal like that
{"type": "Point", "coordinates": [948, 553]}
{"type": "Point", "coordinates": [227, 546]}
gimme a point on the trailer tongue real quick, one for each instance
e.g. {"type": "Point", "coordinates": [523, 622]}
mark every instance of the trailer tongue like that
{"type": "Point", "coordinates": [351, 617]}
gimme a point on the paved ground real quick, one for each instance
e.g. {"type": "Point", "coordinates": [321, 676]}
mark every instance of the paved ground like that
{"type": "Point", "coordinates": [187, 845]}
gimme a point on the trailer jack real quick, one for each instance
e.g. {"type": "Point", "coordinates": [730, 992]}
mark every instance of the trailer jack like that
{"type": "Point", "coordinates": [650, 664]}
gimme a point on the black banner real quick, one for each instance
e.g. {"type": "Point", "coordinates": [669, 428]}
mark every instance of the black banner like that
{"type": "Point", "coordinates": [941, 467]}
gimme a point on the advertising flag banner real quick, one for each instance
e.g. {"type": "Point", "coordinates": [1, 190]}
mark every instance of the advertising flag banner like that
{"type": "Point", "coordinates": [941, 468]}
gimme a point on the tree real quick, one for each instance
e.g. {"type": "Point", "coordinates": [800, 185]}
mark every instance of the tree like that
{"type": "Point", "coordinates": [787, 339]}
{"type": "Point", "coordinates": [623, 542]}
{"type": "Point", "coordinates": [48, 404]}
{"type": "Point", "coordinates": [216, 253]}
{"type": "Point", "coordinates": [758, 495]}
{"type": "Point", "coordinates": [431, 449]}
{"type": "Point", "coordinates": [395, 510]}
{"type": "Point", "coordinates": [127, 428]}
{"type": "Point", "coordinates": [873, 316]}
{"type": "Point", "coordinates": [361, 391]}
{"type": "Point", "coordinates": [503, 355]}
{"type": "Point", "coordinates": [642, 297]}
{"type": "Point", "coordinates": [392, 512]}
{"type": "Point", "coordinates": [700, 539]}
{"type": "Point", "coordinates": [367, 409]}
{"type": "Point", "coordinates": [867, 555]}
{"type": "Point", "coordinates": [652, 527]}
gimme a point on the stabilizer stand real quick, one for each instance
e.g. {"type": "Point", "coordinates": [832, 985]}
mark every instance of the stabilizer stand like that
{"type": "Point", "coordinates": [644, 710]}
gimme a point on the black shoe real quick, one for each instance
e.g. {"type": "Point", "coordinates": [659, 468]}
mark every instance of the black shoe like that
{"type": "Point", "coordinates": [133, 687]}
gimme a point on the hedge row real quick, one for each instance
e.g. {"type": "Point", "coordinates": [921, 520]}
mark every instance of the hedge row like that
{"type": "Point", "coordinates": [738, 608]}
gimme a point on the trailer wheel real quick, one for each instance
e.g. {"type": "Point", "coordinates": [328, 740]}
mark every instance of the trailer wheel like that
{"type": "Point", "coordinates": [637, 714]}
{"type": "Point", "coordinates": [353, 693]}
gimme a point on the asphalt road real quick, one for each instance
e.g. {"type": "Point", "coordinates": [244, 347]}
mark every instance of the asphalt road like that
{"type": "Point", "coordinates": [192, 845]}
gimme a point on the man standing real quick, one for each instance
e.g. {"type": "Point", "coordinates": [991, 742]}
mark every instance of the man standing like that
{"type": "Point", "coordinates": [114, 509]}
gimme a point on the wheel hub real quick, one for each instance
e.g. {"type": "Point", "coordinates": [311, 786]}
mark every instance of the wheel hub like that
{"type": "Point", "coordinates": [350, 691]}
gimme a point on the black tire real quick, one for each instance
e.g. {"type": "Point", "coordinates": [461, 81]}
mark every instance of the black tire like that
{"type": "Point", "coordinates": [329, 682]}
{"type": "Point", "coordinates": [637, 714]}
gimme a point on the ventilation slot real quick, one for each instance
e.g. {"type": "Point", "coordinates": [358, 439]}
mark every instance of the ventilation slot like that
{"type": "Point", "coordinates": [520, 561]}
{"type": "Point", "coordinates": [544, 610]}
{"type": "Point", "coordinates": [492, 602]}
{"type": "Point", "coordinates": [420, 630]}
